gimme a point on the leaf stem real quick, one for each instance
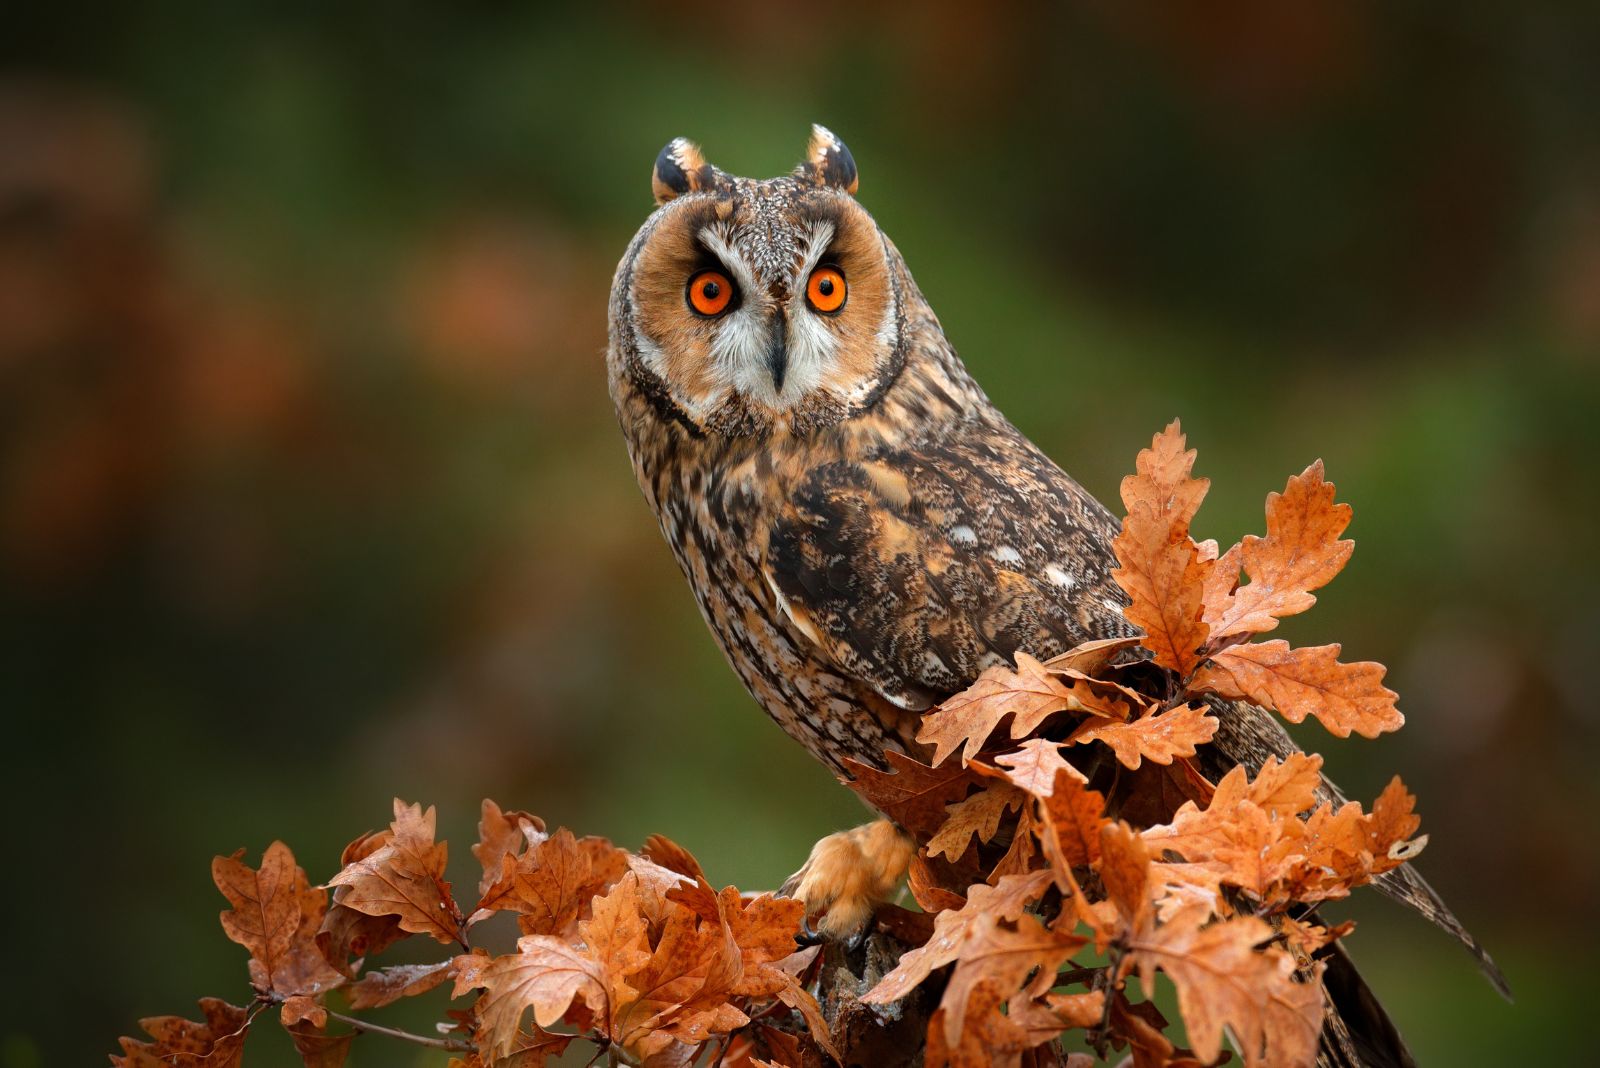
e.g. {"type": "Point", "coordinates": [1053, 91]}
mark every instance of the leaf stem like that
{"type": "Point", "coordinates": [454, 1044]}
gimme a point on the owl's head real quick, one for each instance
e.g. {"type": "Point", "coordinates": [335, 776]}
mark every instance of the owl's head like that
{"type": "Point", "coordinates": [744, 306]}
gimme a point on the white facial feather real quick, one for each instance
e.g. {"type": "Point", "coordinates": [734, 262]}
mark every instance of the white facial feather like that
{"type": "Point", "coordinates": [741, 343]}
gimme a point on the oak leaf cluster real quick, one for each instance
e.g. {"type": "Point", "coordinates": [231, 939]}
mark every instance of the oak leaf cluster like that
{"type": "Point", "coordinates": [1071, 852]}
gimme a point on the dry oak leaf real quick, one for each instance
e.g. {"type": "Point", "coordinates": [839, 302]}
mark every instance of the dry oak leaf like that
{"type": "Point", "coordinates": [1302, 682]}
{"type": "Point", "coordinates": [926, 891]}
{"type": "Point", "coordinates": [501, 834]}
{"type": "Point", "coordinates": [1224, 981]}
{"type": "Point", "coordinates": [992, 1038]}
{"type": "Point", "coordinates": [1301, 552]}
{"type": "Point", "coordinates": [1248, 835]}
{"type": "Point", "coordinates": [404, 878]}
{"type": "Point", "coordinates": [377, 989]}
{"type": "Point", "coordinates": [1005, 953]}
{"type": "Point", "coordinates": [683, 988]}
{"type": "Point", "coordinates": [1154, 737]}
{"type": "Point", "coordinates": [1024, 849]}
{"type": "Point", "coordinates": [1090, 657]}
{"type": "Point", "coordinates": [1141, 1027]}
{"type": "Point", "coordinates": [552, 884]}
{"type": "Point", "coordinates": [1285, 788]}
{"type": "Point", "coordinates": [1069, 823]}
{"type": "Point", "coordinates": [1164, 572]}
{"type": "Point", "coordinates": [316, 1047]}
{"type": "Point", "coordinates": [275, 915]}
{"type": "Point", "coordinates": [218, 1042]}
{"type": "Point", "coordinates": [302, 1007]}
{"type": "Point", "coordinates": [764, 930]}
{"type": "Point", "coordinates": [348, 937]}
{"type": "Point", "coordinates": [1305, 938]}
{"type": "Point", "coordinates": [978, 815]}
{"type": "Point", "coordinates": [545, 975]}
{"type": "Point", "coordinates": [1033, 767]}
{"type": "Point", "coordinates": [953, 928]}
{"type": "Point", "coordinates": [1347, 848]}
{"type": "Point", "coordinates": [911, 793]}
{"type": "Point", "coordinates": [1029, 695]}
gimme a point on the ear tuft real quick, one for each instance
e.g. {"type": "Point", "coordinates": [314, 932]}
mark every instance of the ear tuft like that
{"type": "Point", "coordinates": [680, 169]}
{"type": "Point", "coordinates": [828, 162]}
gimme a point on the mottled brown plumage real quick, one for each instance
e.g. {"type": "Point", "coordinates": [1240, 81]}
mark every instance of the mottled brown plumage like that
{"type": "Point", "coordinates": [864, 531]}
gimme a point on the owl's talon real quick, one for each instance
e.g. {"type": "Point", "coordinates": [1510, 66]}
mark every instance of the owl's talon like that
{"type": "Point", "coordinates": [808, 935]}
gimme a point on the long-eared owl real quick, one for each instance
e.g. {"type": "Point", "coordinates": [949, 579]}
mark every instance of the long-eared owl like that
{"type": "Point", "coordinates": [864, 531]}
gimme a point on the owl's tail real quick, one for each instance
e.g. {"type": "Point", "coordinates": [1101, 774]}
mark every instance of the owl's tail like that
{"type": "Point", "coordinates": [1356, 1032]}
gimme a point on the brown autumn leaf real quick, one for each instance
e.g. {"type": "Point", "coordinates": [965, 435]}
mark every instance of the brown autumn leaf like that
{"type": "Point", "coordinates": [1004, 953]}
{"type": "Point", "coordinates": [1028, 694]}
{"type": "Point", "coordinates": [500, 834]}
{"type": "Point", "coordinates": [1225, 981]}
{"type": "Point", "coordinates": [316, 1047]}
{"type": "Point", "coordinates": [978, 815]}
{"type": "Point", "coordinates": [404, 878]}
{"type": "Point", "coordinates": [1305, 682]}
{"type": "Point", "coordinates": [1249, 836]}
{"type": "Point", "coordinates": [1124, 866]}
{"type": "Point", "coordinates": [1069, 822]}
{"type": "Point", "coordinates": [953, 928]}
{"type": "Point", "coordinates": [990, 1036]}
{"type": "Point", "coordinates": [926, 891]}
{"type": "Point", "coordinates": [348, 937]}
{"type": "Point", "coordinates": [764, 930]}
{"type": "Point", "coordinates": [617, 938]}
{"type": "Point", "coordinates": [552, 884]}
{"type": "Point", "coordinates": [275, 915]}
{"type": "Point", "coordinates": [1034, 765]}
{"type": "Point", "coordinates": [1021, 856]}
{"type": "Point", "coordinates": [1304, 938]}
{"type": "Point", "coordinates": [672, 856]}
{"type": "Point", "coordinates": [302, 1007]}
{"type": "Point", "coordinates": [911, 793]}
{"type": "Point", "coordinates": [1141, 1027]}
{"type": "Point", "coordinates": [1090, 657]}
{"type": "Point", "coordinates": [1163, 571]}
{"type": "Point", "coordinates": [217, 1042]}
{"type": "Point", "coordinates": [683, 988]}
{"type": "Point", "coordinates": [1301, 552]}
{"type": "Point", "coordinates": [545, 975]}
{"type": "Point", "coordinates": [1347, 848]}
{"type": "Point", "coordinates": [1154, 737]}
{"type": "Point", "coordinates": [1285, 788]}
{"type": "Point", "coordinates": [379, 988]}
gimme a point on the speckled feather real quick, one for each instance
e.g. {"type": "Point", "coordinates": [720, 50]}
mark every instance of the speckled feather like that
{"type": "Point", "coordinates": [865, 549]}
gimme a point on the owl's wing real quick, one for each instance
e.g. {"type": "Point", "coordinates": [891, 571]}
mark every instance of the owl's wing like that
{"type": "Point", "coordinates": [919, 566]}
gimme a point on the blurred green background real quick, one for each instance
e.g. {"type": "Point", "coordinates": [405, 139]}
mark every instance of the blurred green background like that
{"type": "Point", "coordinates": [311, 495]}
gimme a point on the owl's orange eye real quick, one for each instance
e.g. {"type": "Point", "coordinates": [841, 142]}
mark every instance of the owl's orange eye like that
{"type": "Point", "coordinates": [826, 290]}
{"type": "Point", "coordinates": [710, 293]}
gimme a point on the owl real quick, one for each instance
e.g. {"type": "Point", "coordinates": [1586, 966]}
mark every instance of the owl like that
{"type": "Point", "coordinates": [863, 529]}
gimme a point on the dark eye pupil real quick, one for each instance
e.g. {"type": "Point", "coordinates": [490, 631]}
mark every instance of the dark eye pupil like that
{"type": "Point", "coordinates": [710, 290]}
{"type": "Point", "coordinates": [825, 286]}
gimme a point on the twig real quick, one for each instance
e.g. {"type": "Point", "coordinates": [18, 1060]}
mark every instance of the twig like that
{"type": "Point", "coordinates": [454, 1044]}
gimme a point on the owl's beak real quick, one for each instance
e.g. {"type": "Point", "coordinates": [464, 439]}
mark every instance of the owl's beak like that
{"type": "Point", "coordinates": [778, 353]}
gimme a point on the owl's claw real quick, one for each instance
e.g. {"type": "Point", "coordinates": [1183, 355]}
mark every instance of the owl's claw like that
{"type": "Point", "coordinates": [808, 935]}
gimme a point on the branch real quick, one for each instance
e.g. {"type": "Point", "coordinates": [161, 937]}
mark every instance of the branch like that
{"type": "Point", "coordinates": [455, 1045]}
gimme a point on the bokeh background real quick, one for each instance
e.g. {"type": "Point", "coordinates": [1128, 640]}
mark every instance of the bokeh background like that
{"type": "Point", "coordinates": [310, 492]}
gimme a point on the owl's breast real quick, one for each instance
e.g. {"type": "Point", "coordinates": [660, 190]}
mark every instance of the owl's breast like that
{"type": "Point", "coordinates": [717, 512]}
